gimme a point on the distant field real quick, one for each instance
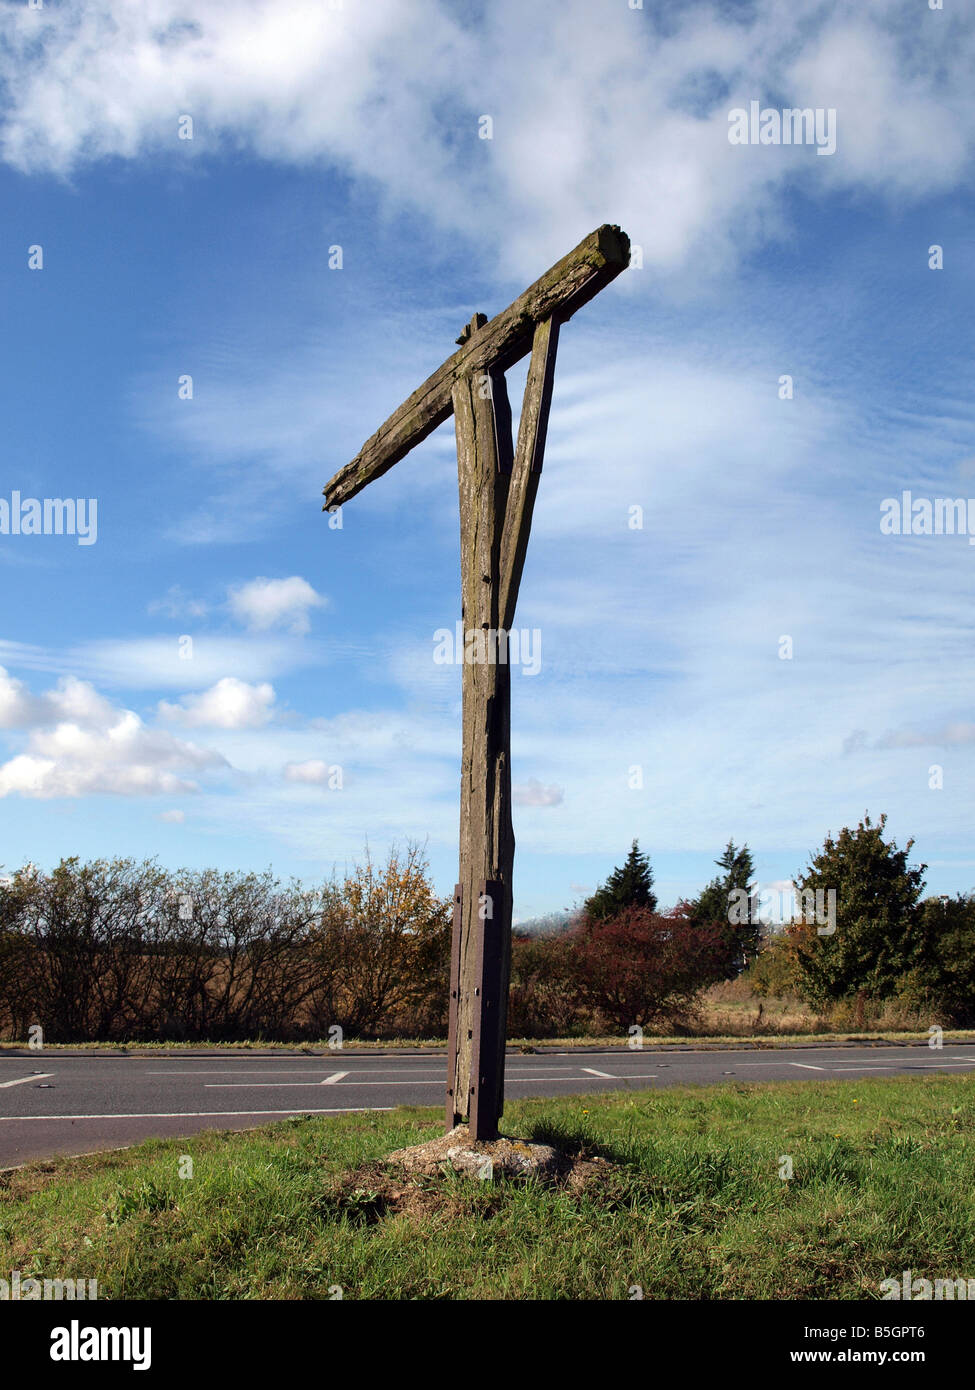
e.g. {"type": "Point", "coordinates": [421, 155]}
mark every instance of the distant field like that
{"type": "Point", "coordinates": [883, 1173]}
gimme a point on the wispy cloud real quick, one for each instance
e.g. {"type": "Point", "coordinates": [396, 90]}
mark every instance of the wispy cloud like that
{"type": "Point", "coordinates": [167, 662]}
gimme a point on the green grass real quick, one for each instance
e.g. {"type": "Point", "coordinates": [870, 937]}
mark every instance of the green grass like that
{"type": "Point", "coordinates": [651, 1041]}
{"type": "Point", "coordinates": [883, 1176]}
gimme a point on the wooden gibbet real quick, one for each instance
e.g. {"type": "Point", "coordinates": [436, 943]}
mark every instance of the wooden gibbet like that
{"type": "Point", "coordinates": [497, 482]}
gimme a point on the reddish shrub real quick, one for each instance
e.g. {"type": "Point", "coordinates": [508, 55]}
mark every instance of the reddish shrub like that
{"type": "Point", "coordinates": [641, 967]}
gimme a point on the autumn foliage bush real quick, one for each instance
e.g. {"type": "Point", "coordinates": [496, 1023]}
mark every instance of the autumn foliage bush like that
{"type": "Point", "coordinates": [643, 967]}
{"type": "Point", "coordinates": [543, 1002]}
{"type": "Point", "coordinates": [120, 950]}
{"type": "Point", "coordinates": [113, 950]}
{"type": "Point", "coordinates": [605, 975]}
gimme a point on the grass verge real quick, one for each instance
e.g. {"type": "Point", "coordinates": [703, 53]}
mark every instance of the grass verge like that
{"type": "Point", "coordinates": [651, 1041]}
{"type": "Point", "coordinates": [695, 1208]}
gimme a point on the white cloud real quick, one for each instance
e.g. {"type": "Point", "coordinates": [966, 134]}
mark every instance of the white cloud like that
{"type": "Point", "coordinates": [267, 603]}
{"type": "Point", "coordinates": [173, 817]}
{"type": "Point", "coordinates": [779, 885]}
{"type": "Point", "coordinates": [125, 759]}
{"type": "Point", "coordinates": [900, 130]}
{"type": "Point", "coordinates": [230, 704]}
{"type": "Point", "coordinates": [72, 699]}
{"type": "Point", "coordinates": [17, 705]}
{"type": "Point", "coordinates": [313, 773]}
{"type": "Point", "coordinates": [78, 743]}
{"type": "Point", "coordinates": [178, 604]}
{"type": "Point", "coordinates": [532, 793]}
{"type": "Point", "coordinates": [599, 111]}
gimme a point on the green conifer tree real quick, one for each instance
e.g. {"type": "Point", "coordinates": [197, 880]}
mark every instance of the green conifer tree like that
{"type": "Point", "coordinates": [630, 885]}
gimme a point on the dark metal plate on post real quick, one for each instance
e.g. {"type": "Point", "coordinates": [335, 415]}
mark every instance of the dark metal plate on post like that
{"type": "Point", "coordinates": [484, 1103]}
{"type": "Point", "coordinates": [451, 1106]}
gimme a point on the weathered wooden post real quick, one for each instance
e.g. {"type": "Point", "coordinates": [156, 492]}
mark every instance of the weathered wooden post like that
{"type": "Point", "coordinates": [497, 485]}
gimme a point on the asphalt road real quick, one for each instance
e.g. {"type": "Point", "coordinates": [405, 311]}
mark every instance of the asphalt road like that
{"type": "Point", "coordinates": [61, 1103]}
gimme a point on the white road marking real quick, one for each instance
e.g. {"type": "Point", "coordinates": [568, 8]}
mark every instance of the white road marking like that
{"type": "Point", "coordinates": [372, 1071]}
{"type": "Point", "coordinates": [259, 1071]}
{"type": "Point", "coordinates": [431, 1081]}
{"type": "Point", "coordinates": [764, 1064]}
{"type": "Point", "coordinates": [202, 1114]}
{"type": "Point", "coordinates": [806, 1066]}
{"type": "Point", "coordinates": [871, 1066]}
{"type": "Point", "coordinates": [22, 1080]}
{"type": "Point", "coordinates": [234, 1071]}
{"type": "Point", "coordinates": [930, 1065]}
{"type": "Point", "coordinates": [915, 1066]}
{"type": "Point", "coordinates": [901, 1056]}
{"type": "Point", "coordinates": [336, 1076]}
{"type": "Point", "coordinates": [617, 1054]}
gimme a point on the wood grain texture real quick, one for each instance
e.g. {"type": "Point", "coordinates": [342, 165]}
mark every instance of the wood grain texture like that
{"type": "Point", "coordinates": [497, 488]}
{"type": "Point", "coordinates": [487, 842]}
{"type": "Point", "coordinates": [498, 343]}
{"type": "Point", "coordinates": [527, 467]}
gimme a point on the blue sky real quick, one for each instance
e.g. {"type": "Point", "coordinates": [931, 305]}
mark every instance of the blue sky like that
{"type": "Point", "coordinates": [358, 126]}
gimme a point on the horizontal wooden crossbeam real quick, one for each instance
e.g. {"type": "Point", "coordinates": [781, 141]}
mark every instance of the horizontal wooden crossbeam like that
{"type": "Point", "coordinates": [497, 344]}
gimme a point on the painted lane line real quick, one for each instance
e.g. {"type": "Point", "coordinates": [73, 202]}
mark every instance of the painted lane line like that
{"type": "Point", "coordinates": [593, 1072]}
{"type": "Point", "coordinates": [901, 1055]}
{"type": "Point", "coordinates": [932, 1066]}
{"type": "Point", "coordinates": [912, 1066]}
{"type": "Point", "coordinates": [349, 1056]}
{"type": "Point", "coordinates": [781, 1062]}
{"type": "Point", "coordinates": [234, 1071]}
{"type": "Point", "coordinates": [22, 1080]}
{"type": "Point", "coordinates": [433, 1081]}
{"type": "Point", "coordinates": [376, 1071]}
{"type": "Point", "coordinates": [195, 1064]}
{"type": "Point", "coordinates": [336, 1076]}
{"type": "Point", "coordinates": [301, 1085]}
{"type": "Point", "coordinates": [769, 1064]}
{"type": "Point", "coordinates": [259, 1071]}
{"type": "Point", "coordinates": [426, 1080]}
{"type": "Point", "coordinates": [806, 1066]}
{"type": "Point", "coordinates": [201, 1114]}
{"type": "Point", "coordinates": [870, 1066]}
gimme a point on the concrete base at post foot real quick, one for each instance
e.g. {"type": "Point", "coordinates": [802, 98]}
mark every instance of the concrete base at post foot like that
{"type": "Point", "coordinates": [484, 1159]}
